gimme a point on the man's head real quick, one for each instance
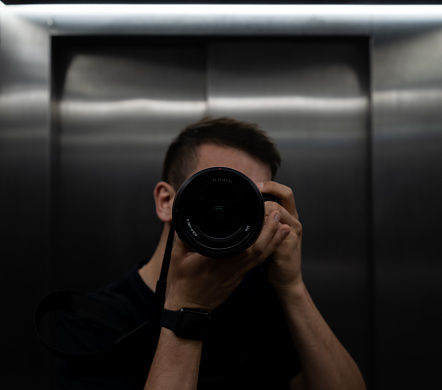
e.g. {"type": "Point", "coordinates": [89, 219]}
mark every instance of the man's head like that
{"type": "Point", "coordinates": [182, 155]}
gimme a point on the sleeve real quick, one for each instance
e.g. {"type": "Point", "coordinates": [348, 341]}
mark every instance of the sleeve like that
{"type": "Point", "coordinates": [123, 365]}
{"type": "Point", "coordinates": [87, 369]}
{"type": "Point", "coordinates": [124, 359]}
{"type": "Point", "coordinates": [270, 334]}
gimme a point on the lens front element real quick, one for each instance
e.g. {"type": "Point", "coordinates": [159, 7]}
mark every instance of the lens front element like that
{"type": "Point", "coordinates": [218, 212]}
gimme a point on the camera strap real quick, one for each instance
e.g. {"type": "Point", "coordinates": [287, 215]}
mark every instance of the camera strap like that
{"type": "Point", "coordinates": [80, 308]}
{"type": "Point", "coordinates": [83, 307]}
{"type": "Point", "coordinates": [160, 291]}
{"type": "Point", "coordinates": [91, 309]}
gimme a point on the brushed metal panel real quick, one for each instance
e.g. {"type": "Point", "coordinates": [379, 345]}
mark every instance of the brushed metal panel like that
{"type": "Point", "coordinates": [225, 19]}
{"type": "Point", "coordinates": [117, 106]}
{"type": "Point", "coordinates": [311, 95]}
{"type": "Point", "coordinates": [24, 173]}
{"type": "Point", "coordinates": [406, 84]}
{"type": "Point", "coordinates": [407, 118]}
{"type": "Point", "coordinates": [201, 19]}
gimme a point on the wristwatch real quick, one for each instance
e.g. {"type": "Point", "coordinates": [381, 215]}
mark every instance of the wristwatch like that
{"type": "Point", "coordinates": [186, 323]}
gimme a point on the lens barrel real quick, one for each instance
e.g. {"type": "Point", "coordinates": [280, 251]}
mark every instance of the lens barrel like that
{"type": "Point", "coordinates": [218, 212]}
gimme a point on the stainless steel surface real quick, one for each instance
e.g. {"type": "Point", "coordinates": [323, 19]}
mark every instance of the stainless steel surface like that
{"type": "Point", "coordinates": [311, 95]}
{"type": "Point", "coordinates": [199, 19]}
{"type": "Point", "coordinates": [243, 19]}
{"type": "Point", "coordinates": [407, 123]}
{"type": "Point", "coordinates": [116, 108]}
{"type": "Point", "coordinates": [24, 201]}
{"type": "Point", "coordinates": [352, 95]}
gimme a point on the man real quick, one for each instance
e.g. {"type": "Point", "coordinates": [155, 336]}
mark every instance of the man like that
{"type": "Point", "coordinates": [266, 331]}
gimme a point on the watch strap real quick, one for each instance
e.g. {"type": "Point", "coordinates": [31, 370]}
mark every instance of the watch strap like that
{"type": "Point", "coordinates": [187, 322]}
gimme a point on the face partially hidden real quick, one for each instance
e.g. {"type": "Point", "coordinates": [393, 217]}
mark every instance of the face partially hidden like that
{"type": "Point", "coordinates": [210, 156]}
{"type": "Point", "coordinates": [219, 156]}
{"type": "Point", "coordinates": [221, 220]}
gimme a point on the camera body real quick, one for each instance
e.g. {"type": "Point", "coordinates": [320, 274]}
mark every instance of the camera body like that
{"type": "Point", "coordinates": [218, 212]}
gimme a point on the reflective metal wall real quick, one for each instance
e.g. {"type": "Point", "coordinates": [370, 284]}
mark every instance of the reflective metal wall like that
{"type": "Point", "coordinates": [90, 98]}
{"type": "Point", "coordinates": [407, 123]}
{"type": "Point", "coordinates": [24, 196]}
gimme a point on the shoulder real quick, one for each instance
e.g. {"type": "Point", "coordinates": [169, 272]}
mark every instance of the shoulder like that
{"type": "Point", "coordinates": [123, 305]}
{"type": "Point", "coordinates": [129, 296]}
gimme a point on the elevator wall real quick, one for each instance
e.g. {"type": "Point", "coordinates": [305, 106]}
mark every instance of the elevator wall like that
{"type": "Point", "coordinates": [88, 106]}
{"type": "Point", "coordinates": [117, 106]}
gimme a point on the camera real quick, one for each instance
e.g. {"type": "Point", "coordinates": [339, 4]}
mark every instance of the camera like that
{"type": "Point", "coordinates": [218, 212]}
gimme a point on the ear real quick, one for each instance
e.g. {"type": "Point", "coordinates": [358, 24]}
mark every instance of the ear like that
{"type": "Point", "coordinates": [164, 195]}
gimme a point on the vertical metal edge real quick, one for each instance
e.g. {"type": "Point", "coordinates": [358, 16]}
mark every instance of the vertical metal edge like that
{"type": "Point", "coordinates": [371, 226]}
{"type": "Point", "coordinates": [51, 186]}
{"type": "Point", "coordinates": [376, 132]}
{"type": "Point", "coordinates": [406, 134]}
{"type": "Point", "coordinates": [24, 116]}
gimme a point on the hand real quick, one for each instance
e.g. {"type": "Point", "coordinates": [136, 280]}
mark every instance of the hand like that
{"type": "Point", "coordinates": [196, 281]}
{"type": "Point", "coordinates": [284, 265]}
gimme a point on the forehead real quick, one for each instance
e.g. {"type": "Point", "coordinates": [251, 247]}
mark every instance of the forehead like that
{"type": "Point", "coordinates": [220, 156]}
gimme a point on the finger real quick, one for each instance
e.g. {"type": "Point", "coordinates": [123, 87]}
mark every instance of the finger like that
{"type": "Point", "coordinates": [286, 217]}
{"type": "Point", "coordinates": [272, 234]}
{"type": "Point", "coordinates": [283, 193]}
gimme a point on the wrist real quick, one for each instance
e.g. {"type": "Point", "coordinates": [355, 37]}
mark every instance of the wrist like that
{"type": "Point", "coordinates": [291, 292]}
{"type": "Point", "coordinates": [172, 304]}
{"type": "Point", "coordinates": [168, 334]}
{"type": "Point", "coordinates": [187, 323]}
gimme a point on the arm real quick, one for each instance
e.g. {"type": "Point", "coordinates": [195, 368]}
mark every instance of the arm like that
{"type": "Point", "coordinates": [325, 362]}
{"type": "Point", "coordinates": [195, 281]}
{"type": "Point", "coordinates": [176, 363]}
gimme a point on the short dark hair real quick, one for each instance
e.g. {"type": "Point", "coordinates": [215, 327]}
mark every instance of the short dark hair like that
{"type": "Point", "coordinates": [182, 153]}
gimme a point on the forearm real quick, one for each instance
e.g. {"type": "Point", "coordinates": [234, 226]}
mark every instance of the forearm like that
{"type": "Point", "coordinates": [325, 362]}
{"type": "Point", "coordinates": [176, 363]}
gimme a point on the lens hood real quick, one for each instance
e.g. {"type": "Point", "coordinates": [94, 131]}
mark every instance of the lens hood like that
{"type": "Point", "coordinates": [218, 212]}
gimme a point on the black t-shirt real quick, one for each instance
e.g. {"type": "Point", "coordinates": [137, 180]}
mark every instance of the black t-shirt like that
{"type": "Point", "coordinates": [248, 345]}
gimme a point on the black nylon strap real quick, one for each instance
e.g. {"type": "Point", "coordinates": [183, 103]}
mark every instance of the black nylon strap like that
{"type": "Point", "coordinates": [100, 313]}
{"type": "Point", "coordinates": [160, 291]}
{"type": "Point", "coordinates": [169, 319]}
{"type": "Point", "coordinates": [189, 323]}
{"type": "Point", "coordinates": [82, 306]}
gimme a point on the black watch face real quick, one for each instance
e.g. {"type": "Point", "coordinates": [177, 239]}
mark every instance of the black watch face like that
{"type": "Point", "coordinates": [193, 324]}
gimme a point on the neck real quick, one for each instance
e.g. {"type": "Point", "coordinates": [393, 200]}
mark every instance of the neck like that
{"type": "Point", "coordinates": [150, 272]}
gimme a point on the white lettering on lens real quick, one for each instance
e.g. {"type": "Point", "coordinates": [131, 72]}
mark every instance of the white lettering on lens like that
{"type": "Point", "coordinates": [222, 180]}
{"type": "Point", "coordinates": [191, 228]}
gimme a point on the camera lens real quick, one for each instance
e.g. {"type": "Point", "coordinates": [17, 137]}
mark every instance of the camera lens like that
{"type": "Point", "coordinates": [218, 212]}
